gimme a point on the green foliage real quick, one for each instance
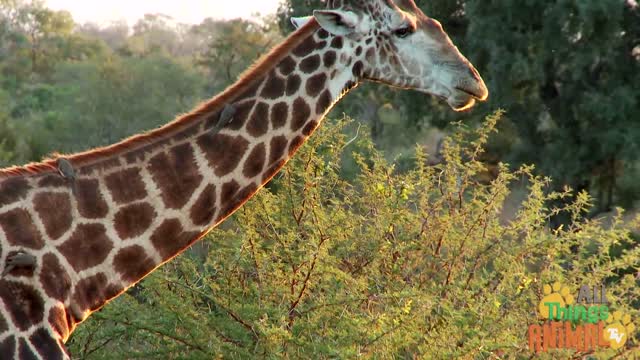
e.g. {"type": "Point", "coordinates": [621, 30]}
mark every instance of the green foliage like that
{"type": "Point", "coordinates": [392, 265]}
{"type": "Point", "coordinates": [232, 46]}
{"type": "Point", "coordinates": [565, 72]}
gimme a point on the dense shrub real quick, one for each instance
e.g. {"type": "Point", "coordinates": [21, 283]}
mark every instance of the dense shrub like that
{"type": "Point", "coordinates": [418, 264]}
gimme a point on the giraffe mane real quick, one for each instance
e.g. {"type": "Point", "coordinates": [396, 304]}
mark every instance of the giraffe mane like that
{"type": "Point", "coordinates": [244, 82]}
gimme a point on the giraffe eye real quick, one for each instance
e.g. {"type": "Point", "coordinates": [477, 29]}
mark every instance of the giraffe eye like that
{"type": "Point", "coordinates": [403, 32]}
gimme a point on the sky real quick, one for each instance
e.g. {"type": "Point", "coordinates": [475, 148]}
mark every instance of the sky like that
{"type": "Point", "coordinates": [185, 11]}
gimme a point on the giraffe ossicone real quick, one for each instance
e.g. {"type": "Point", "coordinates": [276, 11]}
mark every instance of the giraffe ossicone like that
{"type": "Point", "coordinates": [135, 205]}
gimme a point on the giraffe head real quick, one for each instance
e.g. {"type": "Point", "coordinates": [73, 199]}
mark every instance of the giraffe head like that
{"type": "Point", "coordinates": [397, 44]}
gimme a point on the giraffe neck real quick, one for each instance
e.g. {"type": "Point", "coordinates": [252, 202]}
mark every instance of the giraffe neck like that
{"type": "Point", "coordinates": [138, 204]}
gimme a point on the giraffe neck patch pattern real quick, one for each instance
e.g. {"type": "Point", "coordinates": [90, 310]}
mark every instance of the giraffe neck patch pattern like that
{"type": "Point", "coordinates": [133, 210]}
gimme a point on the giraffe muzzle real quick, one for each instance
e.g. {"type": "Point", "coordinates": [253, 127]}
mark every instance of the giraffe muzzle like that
{"type": "Point", "coordinates": [469, 90]}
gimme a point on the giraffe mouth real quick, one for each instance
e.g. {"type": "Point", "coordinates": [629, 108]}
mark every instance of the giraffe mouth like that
{"type": "Point", "coordinates": [477, 94]}
{"type": "Point", "coordinates": [458, 103]}
{"type": "Point", "coordinates": [463, 98]}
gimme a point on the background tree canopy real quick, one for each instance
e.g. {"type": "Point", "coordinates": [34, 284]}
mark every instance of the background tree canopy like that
{"type": "Point", "coordinates": [399, 253]}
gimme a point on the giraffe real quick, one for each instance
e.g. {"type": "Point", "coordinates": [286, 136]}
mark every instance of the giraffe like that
{"type": "Point", "coordinates": [78, 230]}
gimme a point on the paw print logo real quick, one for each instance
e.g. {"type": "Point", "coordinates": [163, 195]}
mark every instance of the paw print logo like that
{"type": "Point", "coordinates": [558, 294]}
{"type": "Point", "coordinates": [619, 329]}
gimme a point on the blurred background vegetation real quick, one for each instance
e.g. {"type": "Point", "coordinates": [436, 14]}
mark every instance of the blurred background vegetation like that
{"type": "Point", "coordinates": [565, 71]}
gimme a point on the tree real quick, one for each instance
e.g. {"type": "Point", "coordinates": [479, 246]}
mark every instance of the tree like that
{"type": "Point", "coordinates": [390, 265]}
{"type": "Point", "coordinates": [101, 102]}
{"type": "Point", "coordinates": [564, 70]}
{"type": "Point", "coordinates": [115, 34]}
{"type": "Point", "coordinates": [232, 46]}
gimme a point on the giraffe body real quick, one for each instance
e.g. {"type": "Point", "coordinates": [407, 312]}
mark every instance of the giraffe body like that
{"type": "Point", "coordinates": [137, 204]}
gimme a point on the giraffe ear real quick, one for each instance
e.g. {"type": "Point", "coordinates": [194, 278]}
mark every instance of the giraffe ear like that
{"type": "Point", "coordinates": [336, 22]}
{"type": "Point", "coordinates": [299, 22]}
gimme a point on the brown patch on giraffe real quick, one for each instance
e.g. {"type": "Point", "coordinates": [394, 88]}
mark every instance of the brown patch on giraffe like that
{"type": "Point", "coordinates": [287, 65]}
{"type": "Point", "coordinates": [170, 238]}
{"type": "Point", "coordinates": [315, 84]}
{"type": "Point", "coordinates": [278, 147]}
{"type": "Point", "coordinates": [134, 220]}
{"type": "Point", "coordinates": [25, 352]}
{"type": "Point", "coordinates": [13, 190]}
{"type": "Point", "coordinates": [274, 87]}
{"type": "Point", "coordinates": [58, 320]}
{"type": "Point", "coordinates": [272, 170]}
{"type": "Point", "coordinates": [20, 230]}
{"type": "Point", "coordinates": [309, 128]}
{"type": "Point", "coordinates": [300, 114]}
{"type": "Point", "coordinates": [259, 122]}
{"type": "Point", "coordinates": [204, 208]}
{"type": "Point", "coordinates": [87, 247]}
{"type": "Point", "coordinates": [55, 181]}
{"type": "Point", "coordinates": [323, 34]}
{"type": "Point", "coordinates": [337, 42]}
{"type": "Point", "coordinates": [8, 346]}
{"type": "Point", "coordinates": [359, 50]}
{"type": "Point", "coordinates": [370, 54]}
{"type": "Point", "coordinates": [91, 294]}
{"type": "Point", "coordinates": [349, 85]}
{"type": "Point", "coordinates": [305, 47]}
{"type": "Point", "coordinates": [140, 154]}
{"type": "Point", "coordinates": [102, 165]}
{"type": "Point", "coordinates": [176, 174]}
{"type": "Point", "coordinates": [91, 204]}
{"type": "Point", "coordinates": [126, 186]}
{"type": "Point", "coordinates": [228, 192]}
{"type": "Point", "coordinates": [310, 64]}
{"type": "Point", "coordinates": [133, 263]}
{"type": "Point", "coordinates": [255, 161]}
{"type": "Point", "coordinates": [293, 84]}
{"type": "Point", "coordinates": [295, 144]}
{"type": "Point", "coordinates": [55, 281]}
{"type": "Point", "coordinates": [236, 200]}
{"type": "Point", "coordinates": [358, 69]}
{"type": "Point", "coordinates": [3, 325]}
{"type": "Point", "coordinates": [324, 101]}
{"type": "Point", "coordinates": [329, 58]}
{"type": "Point", "coordinates": [46, 345]}
{"type": "Point", "coordinates": [212, 119]}
{"type": "Point", "coordinates": [223, 152]}
{"type": "Point", "coordinates": [26, 312]}
{"type": "Point", "coordinates": [57, 222]}
{"type": "Point", "coordinates": [187, 133]}
{"type": "Point", "coordinates": [252, 90]}
{"type": "Point", "coordinates": [88, 294]}
{"type": "Point", "coordinates": [383, 53]}
{"type": "Point", "coordinates": [279, 115]}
